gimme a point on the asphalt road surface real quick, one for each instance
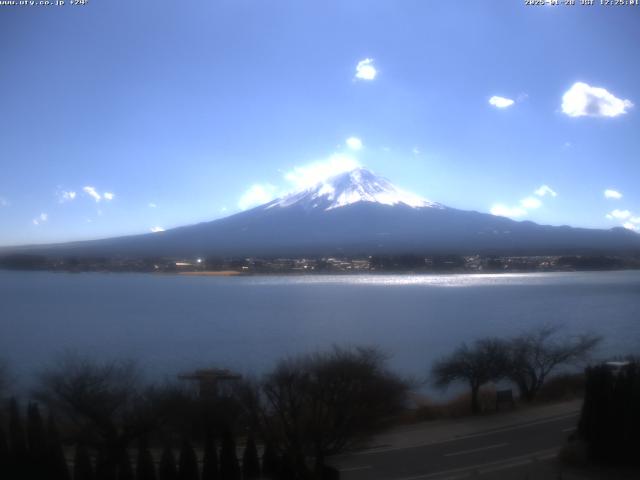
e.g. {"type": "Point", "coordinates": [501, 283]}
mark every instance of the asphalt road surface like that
{"type": "Point", "coordinates": [491, 451]}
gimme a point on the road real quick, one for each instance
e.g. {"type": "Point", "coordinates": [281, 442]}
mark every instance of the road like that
{"type": "Point", "coordinates": [479, 453]}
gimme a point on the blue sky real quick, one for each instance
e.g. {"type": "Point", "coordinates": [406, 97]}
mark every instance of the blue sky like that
{"type": "Point", "coordinates": [122, 117]}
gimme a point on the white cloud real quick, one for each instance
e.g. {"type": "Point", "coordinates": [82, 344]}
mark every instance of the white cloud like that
{"type": "Point", "coordinates": [584, 100]}
{"type": "Point", "coordinates": [66, 196]}
{"type": "Point", "coordinates": [91, 191]}
{"type": "Point", "coordinates": [4, 202]}
{"type": "Point", "coordinates": [365, 69]}
{"type": "Point", "coordinates": [634, 219]}
{"type": "Point", "coordinates": [354, 143]}
{"type": "Point", "coordinates": [257, 194]}
{"type": "Point", "coordinates": [310, 174]}
{"type": "Point", "coordinates": [156, 229]}
{"type": "Point", "coordinates": [619, 214]}
{"type": "Point", "coordinates": [612, 194]}
{"type": "Point", "coordinates": [500, 102]}
{"type": "Point", "coordinates": [545, 190]}
{"type": "Point", "coordinates": [531, 203]}
{"type": "Point", "coordinates": [526, 204]}
{"type": "Point", "coordinates": [511, 212]}
{"type": "Point", "coordinates": [108, 196]}
{"type": "Point", "coordinates": [415, 151]}
{"type": "Point", "coordinates": [631, 226]}
{"type": "Point", "coordinates": [152, 205]}
{"type": "Point", "coordinates": [43, 217]}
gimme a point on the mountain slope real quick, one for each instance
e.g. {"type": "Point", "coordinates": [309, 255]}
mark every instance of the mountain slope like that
{"type": "Point", "coordinates": [357, 213]}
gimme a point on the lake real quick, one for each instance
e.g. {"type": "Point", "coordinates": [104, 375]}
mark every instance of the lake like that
{"type": "Point", "coordinates": [171, 323]}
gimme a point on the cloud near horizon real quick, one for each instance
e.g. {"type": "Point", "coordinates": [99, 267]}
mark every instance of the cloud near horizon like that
{"type": "Point", "coordinates": [156, 229]}
{"type": "Point", "coordinates": [257, 194]}
{"type": "Point", "coordinates": [583, 100]}
{"type": "Point", "coordinates": [526, 204]}
{"type": "Point", "coordinates": [354, 143]}
{"type": "Point", "coordinates": [501, 210]}
{"type": "Point", "coordinates": [545, 190]}
{"type": "Point", "coordinates": [310, 174]}
{"type": "Point", "coordinates": [40, 219]}
{"type": "Point", "coordinates": [619, 214]}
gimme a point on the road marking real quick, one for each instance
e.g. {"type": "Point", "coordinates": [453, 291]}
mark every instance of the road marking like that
{"type": "Point", "coordinates": [463, 437]}
{"type": "Point", "coordinates": [353, 469]}
{"type": "Point", "coordinates": [474, 450]}
{"type": "Point", "coordinates": [456, 473]}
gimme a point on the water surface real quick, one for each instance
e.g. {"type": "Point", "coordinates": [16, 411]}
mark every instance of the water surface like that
{"type": "Point", "coordinates": [172, 322]}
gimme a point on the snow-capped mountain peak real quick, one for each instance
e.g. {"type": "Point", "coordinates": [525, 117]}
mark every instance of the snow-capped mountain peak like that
{"type": "Point", "coordinates": [359, 185]}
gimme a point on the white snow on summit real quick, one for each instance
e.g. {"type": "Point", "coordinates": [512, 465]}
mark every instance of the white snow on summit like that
{"type": "Point", "coordinates": [359, 185]}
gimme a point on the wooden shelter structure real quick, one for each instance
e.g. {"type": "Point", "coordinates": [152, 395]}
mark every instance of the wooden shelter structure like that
{"type": "Point", "coordinates": [208, 379]}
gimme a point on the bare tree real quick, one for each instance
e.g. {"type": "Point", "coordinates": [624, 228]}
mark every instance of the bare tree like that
{"type": "Point", "coordinates": [321, 404]}
{"type": "Point", "coordinates": [484, 361]}
{"type": "Point", "coordinates": [4, 379]}
{"type": "Point", "coordinates": [535, 354]}
{"type": "Point", "coordinates": [105, 403]}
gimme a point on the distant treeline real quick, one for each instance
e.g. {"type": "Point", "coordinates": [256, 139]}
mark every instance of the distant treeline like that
{"type": "Point", "coordinates": [333, 264]}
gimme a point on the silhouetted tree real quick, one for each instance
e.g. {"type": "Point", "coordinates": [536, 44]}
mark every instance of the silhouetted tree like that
{"type": "Point", "coordinates": [535, 354]}
{"type": "Point", "coordinates": [168, 469]}
{"type": "Point", "coordinates": [4, 379]}
{"type": "Point", "coordinates": [210, 468]}
{"type": "Point", "coordinates": [82, 467]}
{"type": "Point", "coordinates": [19, 462]}
{"type": "Point", "coordinates": [37, 442]}
{"type": "Point", "coordinates": [188, 462]}
{"type": "Point", "coordinates": [250, 461]}
{"type": "Point", "coordinates": [105, 402]}
{"type": "Point", "coordinates": [145, 468]}
{"type": "Point", "coordinates": [125, 470]}
{"type": "Point", "coordinates": [229, 468]}
{"type": "Point", "coordinates": [270, 461]}
{"type": "Point", "coordinates": [58, 468]}
{"type": "Point", "coordinates": [4, 456]}
{"type": "Point", "coordinates": [483, 362]}
{"type": "Point", "coordinates": [610, 418]}
{"type": "Point", "coordinates": [106, 464]}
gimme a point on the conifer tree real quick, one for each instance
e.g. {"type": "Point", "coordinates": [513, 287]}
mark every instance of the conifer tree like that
{"type": "Point", "coordinates": [19, 458]}
{"type": "Point", "coordinates": [168, 470]}
{"type": "Point", "coordinates": [250, 461]}
{"type": "Point", "coordinates": [82, 466]}
{"type": "Point", "coordinates": [4, 455]}
{"type": "Point", "coordinates": [270, 461]}
{"type": "Point", "coordinates": [37, 443]}
{"type": "Point", "coordinates": [188, 462]}
{"type": "Point", "coordinates": [106, 468]}
{"type": "Point", "coordinates": [229, 468]}
{"type": "Point", "coordinates": [125, 470]}
{"type": "Point", "coordinates": [56, 461]}
{"type": "Point", "coordinates": [145, 469]}
{"type": "Point", "coordinates": [210, 468]}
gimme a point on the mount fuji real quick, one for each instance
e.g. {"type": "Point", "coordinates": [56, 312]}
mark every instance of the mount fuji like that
{"type": "Point", "coordinates": [355, 213]}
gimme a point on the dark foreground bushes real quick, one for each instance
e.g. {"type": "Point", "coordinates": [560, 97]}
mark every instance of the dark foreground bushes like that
{"type": "Point", "coordinates": [114, 426]}
{"type": "Point", "coordinates": [610, 420]}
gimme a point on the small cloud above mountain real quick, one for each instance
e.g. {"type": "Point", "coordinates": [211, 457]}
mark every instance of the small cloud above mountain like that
{"type": "Point", "coordinates": [365, 70]}
{"type": "Point", "coordinates": [501, 102]}
{"type": "Point", "coordinates": [583, 100]}
{"type": "Point", "coordinates": [614, 194]}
